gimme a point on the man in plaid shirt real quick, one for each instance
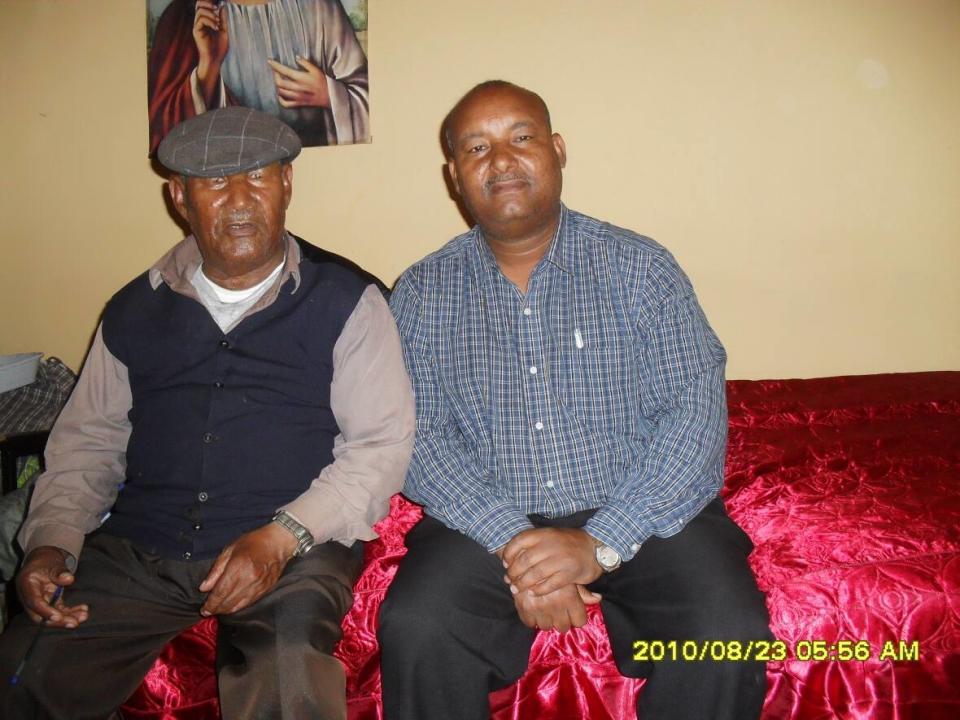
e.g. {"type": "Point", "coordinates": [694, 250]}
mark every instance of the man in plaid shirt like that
{"type": "Point", "coordinates": [571, 432]}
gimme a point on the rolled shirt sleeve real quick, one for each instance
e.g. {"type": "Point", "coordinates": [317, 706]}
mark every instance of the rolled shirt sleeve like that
{"type": "Point", "coordinates": [373, 403]}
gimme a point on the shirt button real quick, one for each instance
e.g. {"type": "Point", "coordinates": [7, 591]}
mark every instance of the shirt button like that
{"type": "Point", "coordinates": [202, 496]}
{"type": "Point", "coordinates": [634, 548]}
{"type": "Point", "coordinates": [187, 555]}
{"type": "Point", "coordinates": [549, 483]}
{"type": "Point", "coordinates": [208, 437]}
{"type": "Point", "coordinates": [533, 369]}
{"type": "Point", "coordinates": [527, 311]}
{"type": "Point", "coordinates": [538, 425]}
{"type": "Point", "coordinates": [224, 344]}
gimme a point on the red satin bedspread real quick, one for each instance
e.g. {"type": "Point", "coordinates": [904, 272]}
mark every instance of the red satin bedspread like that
{"type": "Point", "coordinates": [850, 489]}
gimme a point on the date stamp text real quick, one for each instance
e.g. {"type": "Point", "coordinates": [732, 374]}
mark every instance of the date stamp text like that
{"type": "Point", "coordinates": [775, 651]}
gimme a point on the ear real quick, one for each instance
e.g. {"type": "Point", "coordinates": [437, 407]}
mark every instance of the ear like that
{"type": "Point", "coordinates": [177, 186]}
{"type": "Point", "coordinates": [452, 169]}
{"type": "Point", "coordinates": [286, 177]}
{"type": "Point", "coordinates": [561, 149]}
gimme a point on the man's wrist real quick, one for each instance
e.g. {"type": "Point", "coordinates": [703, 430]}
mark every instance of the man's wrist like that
{"type": "Point", "coordinates": [301, 535]}
{"type": "Point", "coordinates": [39, 550]}
{"type": "Point", "coordinates": [605, 556]}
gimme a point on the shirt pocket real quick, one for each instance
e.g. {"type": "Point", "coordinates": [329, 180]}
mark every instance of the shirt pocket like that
{"type": "Point", "coordinates": [597, 378]}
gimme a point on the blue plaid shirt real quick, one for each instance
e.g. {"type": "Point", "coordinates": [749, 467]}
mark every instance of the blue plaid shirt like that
{"type": "Point", "coordinates": [602, 387]}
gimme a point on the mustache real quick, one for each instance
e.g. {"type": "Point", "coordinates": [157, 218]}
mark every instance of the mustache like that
{"type": "Point", "coordinates": [505, 177]}
{"type": "Point", "coordinates": [238, 216]}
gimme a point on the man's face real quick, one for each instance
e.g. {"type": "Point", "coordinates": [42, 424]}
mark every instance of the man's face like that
{"type": "Point", "coordinates": [506, 164]}
{"type": "Point", "coordinates": [237, 220]}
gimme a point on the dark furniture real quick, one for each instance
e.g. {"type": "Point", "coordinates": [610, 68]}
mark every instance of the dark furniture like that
{"type": "Point", "coordinates": [15, 446]}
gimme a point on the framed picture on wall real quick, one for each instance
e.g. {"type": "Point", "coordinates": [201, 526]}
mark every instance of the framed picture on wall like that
{"type": "Point", "coordinates": [302, 60]}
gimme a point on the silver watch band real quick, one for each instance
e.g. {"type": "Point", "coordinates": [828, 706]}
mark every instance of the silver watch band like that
{"type": "Point", "coordinates": [304, 537]}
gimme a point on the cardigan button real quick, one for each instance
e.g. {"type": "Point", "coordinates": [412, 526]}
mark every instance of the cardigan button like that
{"type": "Point", "coordinates": [187, 555]}
{"type": "Point", "coordinates": [202, 496]}
{"type": "Point", "coordinates": [208, 437]}
{"type": "Point", "coordinates": [224, 344]}
{"type": "Point", "coordinates": [218, 384]}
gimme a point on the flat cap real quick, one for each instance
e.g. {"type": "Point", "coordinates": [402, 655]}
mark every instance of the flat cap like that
{"type": "Point", "coordinates": [227, 141]}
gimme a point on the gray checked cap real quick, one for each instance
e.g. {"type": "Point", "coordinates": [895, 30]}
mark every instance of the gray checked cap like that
{"type": "Point", "coordinates": [227, 141]}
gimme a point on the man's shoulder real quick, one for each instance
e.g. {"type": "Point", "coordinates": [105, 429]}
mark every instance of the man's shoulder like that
{"type": "Point", "coordinates": [133, 291]}
{"type": "Point", "coordinates": [645, 269]}
{"type": "Point", "coordinates": [635, 255]}
{"type": "Point", "coordinates": [124, 309]}
{"type": "Point", "coordinates": [629, 243]}
{"type": "Point", "coordinates": [336, 267]}
{"type": "Point", "coordinates": [440, 263]}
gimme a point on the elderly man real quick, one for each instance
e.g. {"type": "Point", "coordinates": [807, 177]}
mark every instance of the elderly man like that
{"type": "Point", "coordinates": [570, 445]}
{"type": "Point", "coordinates": [244, 416]}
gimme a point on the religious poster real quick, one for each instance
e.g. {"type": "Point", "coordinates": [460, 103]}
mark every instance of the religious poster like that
{"type": "Point", "coordinates": [304, 61]}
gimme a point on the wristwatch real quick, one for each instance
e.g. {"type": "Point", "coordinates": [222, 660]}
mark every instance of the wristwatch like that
{"type": "Point", "coordinates": [607, 558]}
{"type": "Point", "coordinates": [305, 542]}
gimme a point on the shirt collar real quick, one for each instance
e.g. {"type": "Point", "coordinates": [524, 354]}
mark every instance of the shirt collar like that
{"type": "Point", "coordinates": [178, 265]}
{"type": "Point", "coordinates": [562, 252]}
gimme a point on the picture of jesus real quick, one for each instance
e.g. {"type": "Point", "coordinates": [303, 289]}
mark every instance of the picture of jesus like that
{"type": "Point", "coordinates": [300, 60]}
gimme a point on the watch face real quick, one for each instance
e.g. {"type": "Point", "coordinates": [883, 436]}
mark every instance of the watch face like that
{"type": "Point", "coordinates": [607, 557]}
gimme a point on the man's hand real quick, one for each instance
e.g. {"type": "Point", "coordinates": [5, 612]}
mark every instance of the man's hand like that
{"type": "Point", "coordinates": [212, 40]}
{"type": "Point", "coordinates": [300, 88]}
{"type": "Point", "coordinates": [560, 610]}
{"type": "Point", "coordinates": [544, 560]}
{"type": "Point", "coordinates": [44, 570]}
{"type": "Point", "coordinates": [247, 569]}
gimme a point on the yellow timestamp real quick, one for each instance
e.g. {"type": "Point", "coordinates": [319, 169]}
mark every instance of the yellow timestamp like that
{"type": "Point", "coordinates": [774, 650]}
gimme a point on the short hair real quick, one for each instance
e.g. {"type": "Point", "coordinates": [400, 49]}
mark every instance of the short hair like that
{"type": "Point", "coordinates": [481, 87]}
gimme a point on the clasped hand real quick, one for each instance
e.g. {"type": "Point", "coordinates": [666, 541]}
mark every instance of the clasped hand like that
{"type": "Point", "coordinates": [547, 569]}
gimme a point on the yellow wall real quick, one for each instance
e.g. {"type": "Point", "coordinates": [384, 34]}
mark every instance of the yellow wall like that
{"type": "Point", "coordinates": [800, 158]}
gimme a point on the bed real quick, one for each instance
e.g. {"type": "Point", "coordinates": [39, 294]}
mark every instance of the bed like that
{"type": "Point", "coordinates": [850, 490]}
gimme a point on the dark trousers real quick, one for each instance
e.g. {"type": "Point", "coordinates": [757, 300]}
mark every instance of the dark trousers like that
{"type": "Point", "coordinates": [274, 658]}
{"type": "Point", "coordinates": [450, 633]}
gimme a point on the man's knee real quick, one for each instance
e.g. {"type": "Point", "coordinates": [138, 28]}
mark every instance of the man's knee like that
{"type": "Point", "coordinates": [61, 675]}
{"type": "Point", "coordinates": [735, 611]}
{"type": "Point", "coordinates": [294, 620]}
{"type": "Point", "coordinates": [424, 611]}
{"type": "Point", "coordinates": [746, 621]}
{"type": "Point", "coordinates": [409, 620]}
{"type": "Point", "coordinates": [443, 581]}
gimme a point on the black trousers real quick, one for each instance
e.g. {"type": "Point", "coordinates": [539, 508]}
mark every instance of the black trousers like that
{"type": "Point", "coordinates": [274, 658]}
{"type": "Point", "coordinates": [450, 634]}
